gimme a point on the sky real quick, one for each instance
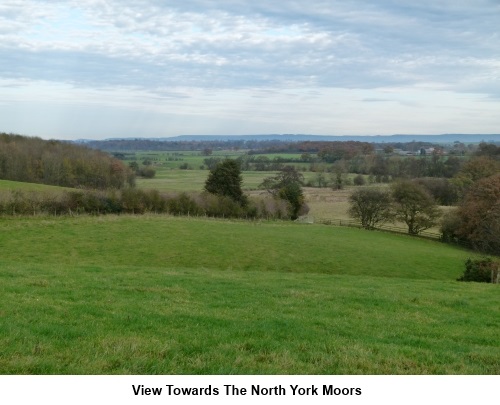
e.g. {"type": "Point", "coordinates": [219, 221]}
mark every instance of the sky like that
{"type": "Point", "coordinates": [99, 69]}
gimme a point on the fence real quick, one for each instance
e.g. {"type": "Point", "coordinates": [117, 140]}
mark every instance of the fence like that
{"type": "Point", "coordinates": [383, 227]}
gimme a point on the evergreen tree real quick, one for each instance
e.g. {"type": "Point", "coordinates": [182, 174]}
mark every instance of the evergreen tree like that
{"type": "Point", "coordinates": [225, 180]}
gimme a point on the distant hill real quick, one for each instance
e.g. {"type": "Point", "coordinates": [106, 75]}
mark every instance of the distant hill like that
{"type": "Point", "coordinates": [444, 138]}
{"type": "Point", "coordinates": [403, 138]}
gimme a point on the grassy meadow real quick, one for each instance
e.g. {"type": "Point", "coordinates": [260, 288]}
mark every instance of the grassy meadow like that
{"type": "Point", "coordinates": [164, 295]}
{"type": "Point", "coordinates": [7, 185]}
{"type": "Point", "coordinates": [167, 295]}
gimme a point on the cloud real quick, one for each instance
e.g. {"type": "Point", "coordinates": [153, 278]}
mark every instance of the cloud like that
{"type": "Point", "coordinates": [262, 49]}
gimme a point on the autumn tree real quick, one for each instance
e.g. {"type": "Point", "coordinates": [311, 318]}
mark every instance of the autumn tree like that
{"type": "Point", "coordinates": [475, 169]}
{"type": "Point", "coordinates": [414, 206]}
{"type": "Point", "coordinates": [370, 206]}
{"type": "Point", "coordinates": [479, 215]}
{"type": "Point", "coordinates": [59, 163]}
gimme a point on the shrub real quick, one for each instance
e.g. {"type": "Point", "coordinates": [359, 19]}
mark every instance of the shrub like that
{"type": "Point", "coordinates": [183, 204]}
{"type": "Point", "coordinates": [359, 180]}
{"type": "Point", "coordinates": [450, 226]}
{"type": "Point", "coordinates": [480, 270]}
{"type": "Point", "coordinates": [147, 172]}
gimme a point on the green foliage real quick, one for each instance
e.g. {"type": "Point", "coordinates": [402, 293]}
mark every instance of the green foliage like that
{"type": "Point", "coordinates": [488, 149]}
{"type": "Point", "coordinates": [183, 204]}
{"type": "Point", "coordinates": [225, 180]}
{"type": "Point", "coordinates": [359, 180]}
{"type": "Point", "coordinates": [134, 201]}
{"type": "Point", "coordinates": [450, 228]}
{"type": "Point", "coordinates": [287, 185]}
{"type": "Point", "coordinates": [292, 193]}
{"type": "Point", "coordinates": [212, 162]}
{"type": "Point", "coordinates": [370, 206]}
{"type": "Point", "coordinates": [147, 172]}
{"type": "Point", "coordinates": [480, 270]}
{"type": "Point", "coordinates": [442, 190]}
{"type": "Point", "coordinates": [414, 206]}
{"type": "Point", "coordinates": [474, 170]}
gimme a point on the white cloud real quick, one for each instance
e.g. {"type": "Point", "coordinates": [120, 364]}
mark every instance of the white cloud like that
{"type": "Point", "coordinates": [170, 50]}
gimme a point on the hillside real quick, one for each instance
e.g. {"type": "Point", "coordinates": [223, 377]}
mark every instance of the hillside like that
{"type": "Point", "coordinates": [58, 163]}
{"type": "Point", "coordinates": [19, 185]}
{"type": "Point", "coordinates": [164, 295]}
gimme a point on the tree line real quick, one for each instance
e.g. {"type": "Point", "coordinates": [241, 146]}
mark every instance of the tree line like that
{"type": "Point", "coordinates": [58, 163]}
{"type": "Point", "coordinates": [222, 197]}
{"type": "Point", "coordinates": [138, 202]}
{"type": "Point", "coordinates": [474, 222]}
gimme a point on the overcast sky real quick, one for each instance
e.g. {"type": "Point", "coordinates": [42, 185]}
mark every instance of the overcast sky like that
{"type": "Point", "coordinates": [153, 68]}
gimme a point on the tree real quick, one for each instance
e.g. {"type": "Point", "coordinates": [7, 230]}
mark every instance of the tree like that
{"type": "Point", "coordinates": [388, 149]}
{"type": "Point", "coordinates": [475, 169]}
{"type": "Point", "coordinates": [443, 191]}
{"type": "Point", "coordinates": [479, 215]}
{"type": "Point", "coordinates": [370, 207]}
{"type": "Point", "coordinates": [339, 175]}
{"type": "Point", "coordinates": [481, 270]}
{"type": "Point", "coordinates": [287, 185]}
{"type": "Point", "coordinates": [414, 206]}
{"type": "Point", "coordinates": [225, 180]}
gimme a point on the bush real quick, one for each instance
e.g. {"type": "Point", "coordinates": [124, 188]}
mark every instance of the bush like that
{"type": "Point", "coordinates": [450, 226]}
{"type": "Point", "coordinates": [183, 204]}
{"type": "Point", "coordinates": [147, 172]}
{"type": "Point", "coordinates": [359, 180]}
{"type": "Point", "coordinates": [137, 201]}
{"type": "Point", "coordinates": [443, 191]}
{"type": "Point", "coordinates": [480, 270]}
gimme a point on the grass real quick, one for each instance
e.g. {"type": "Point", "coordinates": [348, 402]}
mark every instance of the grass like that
{"type": "Point", "coordinates": [173, 160]}
{"type": "Point", "coordinates": [17, 185]}
{"type": "Point", "coordinates": [194, 180]}
{"type": "Point", "coordinates": [163, 295]}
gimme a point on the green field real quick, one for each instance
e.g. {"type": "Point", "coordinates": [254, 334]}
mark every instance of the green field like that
{"type": "Point", "coordinates": [194, 180]}
{"type": "Point", "coordinates": [17, 185]}
{"type": "Point", "coordinates": [164, 295]}
{"type": "Point", "coordinates": [173, 160]}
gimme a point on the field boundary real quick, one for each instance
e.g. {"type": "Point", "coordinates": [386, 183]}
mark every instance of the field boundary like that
{"type": "Point", "coordinates": [389, 228]}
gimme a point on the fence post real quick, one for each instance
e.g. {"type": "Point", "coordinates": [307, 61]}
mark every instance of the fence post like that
{"type": "Point", "coordinates": [495, 275]}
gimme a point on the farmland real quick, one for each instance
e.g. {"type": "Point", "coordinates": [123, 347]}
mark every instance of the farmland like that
{"type": "Point", "coordinates": [164, 295]}
{"type": "Point", "coordinates": [324, 203]}
{"type": "Point", "coordinates": [158, 294]}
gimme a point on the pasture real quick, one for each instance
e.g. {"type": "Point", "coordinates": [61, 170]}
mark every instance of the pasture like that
{"type": "Point", "coordinates": [6, 185]}
{"type": "Point", "coordinates": [164, 295]}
